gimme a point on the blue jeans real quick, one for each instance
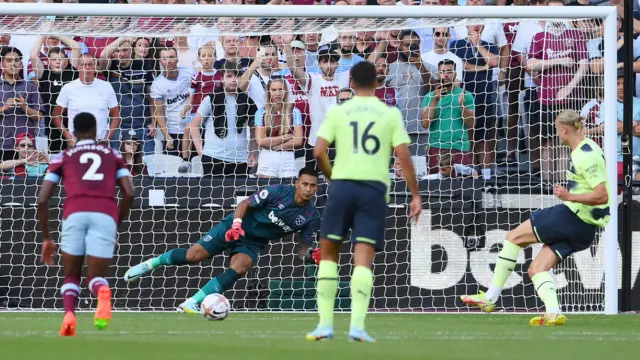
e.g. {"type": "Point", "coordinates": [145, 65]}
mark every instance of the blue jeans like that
{"type": "Point", "coordinates": [148, 144]}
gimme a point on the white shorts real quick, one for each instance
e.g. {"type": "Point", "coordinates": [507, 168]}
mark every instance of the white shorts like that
{"type": "Point", "coordinates": [280, 164]}
{"type": "Point", "coordinates": [89, 233]}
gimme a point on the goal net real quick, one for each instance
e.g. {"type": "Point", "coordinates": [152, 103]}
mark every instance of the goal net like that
{"type": "Point", "coordinates": [209, 104]}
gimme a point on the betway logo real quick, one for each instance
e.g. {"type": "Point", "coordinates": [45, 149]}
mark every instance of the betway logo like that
{"type": "Point", "coordinates": [424, 238]}
{"type": "Point", "coordinates": [277, 221]}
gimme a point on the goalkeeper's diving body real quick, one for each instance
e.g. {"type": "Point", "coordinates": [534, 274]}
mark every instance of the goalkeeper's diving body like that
{"type": "Point", "coordinates": [365, 131]}
{"type": "Point", "coordinates": [562, 229]}
{"type": "Point", "coordinates": [271, 213]}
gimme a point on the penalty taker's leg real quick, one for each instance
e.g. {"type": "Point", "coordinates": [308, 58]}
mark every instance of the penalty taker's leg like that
{"type": "Point", "coordinates": [518, 238]}
{"type": "Point", "coordinates": [240, 264]}
{"type": "Point", "coordinates": [546, 286]}
{"type": "Point", "coordinates": [327, 289]}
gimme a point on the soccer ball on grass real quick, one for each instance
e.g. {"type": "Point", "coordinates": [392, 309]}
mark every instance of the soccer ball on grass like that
{"type": "Point", "coordinates": [215, 307]}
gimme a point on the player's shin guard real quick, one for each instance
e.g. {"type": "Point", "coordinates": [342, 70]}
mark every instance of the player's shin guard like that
{"type": "Point", "coordinates": [217, 285]}
{"type": "Point", "coordinates": [546, 288]}
{"type": "Point", "coordinates": [505, 264]}
{"type": "Point", "coordinates": [70, 290]}
{"type": "Point", "coordinates": [327, 291]}
{"type": "Point", "coordinates": [361, 284]}
{"type": "Point", "coordinates": [173, 257]}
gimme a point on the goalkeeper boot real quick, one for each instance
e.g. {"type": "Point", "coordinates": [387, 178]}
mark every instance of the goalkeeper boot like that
{"type": "Point", "coordinates": [320, 333]}
{"type": "Point", "coordinates": [479, 300]}
{"type": "Point", "coordinates": [548, 320]}
{"type": "Point", "coordinates": [68, 327]}
{"type": "Point", "coordinates": [137, 271]}
{"type": "Point", "coordinates": [189, 306]}
{"type": "Point", "coordinates": [103, 312]}
{"type": "Point", "coordinates": [360, 336]}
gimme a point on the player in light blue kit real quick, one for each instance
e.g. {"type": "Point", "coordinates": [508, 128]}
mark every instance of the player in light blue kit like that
{"type": "Point", "coordinates": [271, 213]}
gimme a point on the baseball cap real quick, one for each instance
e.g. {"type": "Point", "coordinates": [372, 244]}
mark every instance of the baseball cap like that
{"type": "Point", "coordinates": [129, 135]}
{"type": "Point", "coordinates": [297, 44]}
{"type": "Point", "coordinates": [328, 50]}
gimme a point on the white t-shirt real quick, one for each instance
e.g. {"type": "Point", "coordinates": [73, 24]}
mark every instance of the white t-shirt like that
{"type": "Point", "coordinates": [522, 43]}
{"type": "Point", "coordinates": [200, 35]}
{"type": "Point", "coordinates": [257, 89]}
{"type": "Point", "coordinates": [234, 147]}
{"type": "Point", "coordinates": [96, 98]}
{"type": "Point", "coordinates": [175, 94]}
{"type": "Point", "coordinates": [188, 61]}
{"type": "Point", "coordinates": [321, 95]}
{"type": "Point", "coordinates": [432, 59]}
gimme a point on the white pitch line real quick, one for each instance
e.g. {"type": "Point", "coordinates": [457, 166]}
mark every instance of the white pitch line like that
{"type": "Point", "coordinates": [485, 336]}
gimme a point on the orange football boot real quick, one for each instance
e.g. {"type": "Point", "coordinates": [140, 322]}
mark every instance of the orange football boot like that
{"type": "Point", "coordinates": [103, 312]}
{"type": "Point", "coordinates": [68, 325]}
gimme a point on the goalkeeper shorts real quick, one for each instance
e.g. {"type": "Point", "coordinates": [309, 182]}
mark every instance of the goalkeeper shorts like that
{"type": "Point", "coordinates": [214, 242]}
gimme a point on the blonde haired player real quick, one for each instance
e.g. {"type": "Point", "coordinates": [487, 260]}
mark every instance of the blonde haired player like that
{"type": "Point", "coordinates": [365, 131]}
{"type": "Point", "coordinates": [562, 229]}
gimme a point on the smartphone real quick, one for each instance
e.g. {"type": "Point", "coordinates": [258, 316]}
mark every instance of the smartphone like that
{"type": "Point", "coordinates": [261, 52]}
{"type": "Point", "coordinates": [444, 88]}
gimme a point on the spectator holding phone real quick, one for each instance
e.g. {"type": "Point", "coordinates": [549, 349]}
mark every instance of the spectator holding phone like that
{"type": "Point", "coordinates": [448, 113]}
{"type": "Point", "coordinates": [20, 103]}
{"type": "Point", "coordinates": [29, 161]}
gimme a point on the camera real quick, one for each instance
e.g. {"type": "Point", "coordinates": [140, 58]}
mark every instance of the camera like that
{"type": "Point", "coordinates": [475, 242]}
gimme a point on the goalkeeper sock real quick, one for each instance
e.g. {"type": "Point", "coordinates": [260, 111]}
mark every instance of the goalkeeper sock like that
{"type": "Point", "coordinates": [361, 284]}
{"type": "Point", "coordinates": [217, 285]}
{"type": "Point", "coordinates": [173, 257]}
{"type": "Point", "coordinates": [504, 267]}
{"type": "Point", "coordinates": [546, 289]}
{"type": "Point", "coordinates": [327, 291]}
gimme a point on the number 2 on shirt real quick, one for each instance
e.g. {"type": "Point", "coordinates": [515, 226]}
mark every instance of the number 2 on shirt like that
{"type": "Point", "coordinates": [364, 139]}
{"type": "Point", "coordinates": [92, 173]}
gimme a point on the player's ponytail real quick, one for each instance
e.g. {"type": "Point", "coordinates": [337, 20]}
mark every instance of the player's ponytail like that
{"type": "Point", "coordinates": [571, 118]}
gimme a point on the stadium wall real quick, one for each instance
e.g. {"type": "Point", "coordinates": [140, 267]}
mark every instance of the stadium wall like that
{"type": "Point", "coordinates": [424, 267]}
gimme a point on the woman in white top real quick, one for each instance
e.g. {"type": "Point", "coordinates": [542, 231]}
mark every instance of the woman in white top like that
{"type": "Point", "coordinates": [279, 131]}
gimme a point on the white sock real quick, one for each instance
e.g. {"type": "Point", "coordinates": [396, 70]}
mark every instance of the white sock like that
{"type": "Point", "coordinates": [554, 310]}
{"type": "Point", "coordinates": [493, 293]}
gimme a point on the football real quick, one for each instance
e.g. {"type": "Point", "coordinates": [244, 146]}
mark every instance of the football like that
{"type": "Point", "coordinates": [215, 307]}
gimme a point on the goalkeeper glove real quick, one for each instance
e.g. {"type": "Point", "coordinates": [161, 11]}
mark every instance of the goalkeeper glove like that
{"type": "Point", "coordinates": [236, 232]}
{"type": "Point", "coordinates": [312, 257]}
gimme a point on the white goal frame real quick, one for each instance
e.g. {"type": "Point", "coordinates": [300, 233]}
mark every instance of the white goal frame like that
{"type": "Point", "coordinates": [443, 14]}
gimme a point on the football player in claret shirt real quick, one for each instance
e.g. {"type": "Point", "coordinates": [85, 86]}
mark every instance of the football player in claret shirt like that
{"type": "Point", "coordinates": [89, 172]}
{"type": "Point", "coordinates": [271, 213]}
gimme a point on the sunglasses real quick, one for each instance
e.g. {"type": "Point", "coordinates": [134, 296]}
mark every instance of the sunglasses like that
{"type": "Point", "coordinates": [343, 100]}
{"type": "Point", "coordinates": [440, 33]}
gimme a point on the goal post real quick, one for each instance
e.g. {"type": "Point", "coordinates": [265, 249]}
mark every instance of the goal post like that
{"type": "Point", "coordinates": [397, 286]}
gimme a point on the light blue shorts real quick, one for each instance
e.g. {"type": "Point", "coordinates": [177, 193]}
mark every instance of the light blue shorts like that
{"type": "Point", "coordinates": [89, 233]}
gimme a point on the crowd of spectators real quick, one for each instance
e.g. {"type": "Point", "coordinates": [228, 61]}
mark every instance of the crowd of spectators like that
{"type": "Point", "coordinates": [477, 100]}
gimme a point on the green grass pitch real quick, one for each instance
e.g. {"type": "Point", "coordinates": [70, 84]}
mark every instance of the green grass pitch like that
{"type": "Point", "coordinates": [156, 336]}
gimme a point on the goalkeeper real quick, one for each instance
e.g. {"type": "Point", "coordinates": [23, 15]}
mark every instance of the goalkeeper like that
{"type": "Point", "coordinates": [562, 229]}
{"type": "Point", "coordinates": [271, 213]}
